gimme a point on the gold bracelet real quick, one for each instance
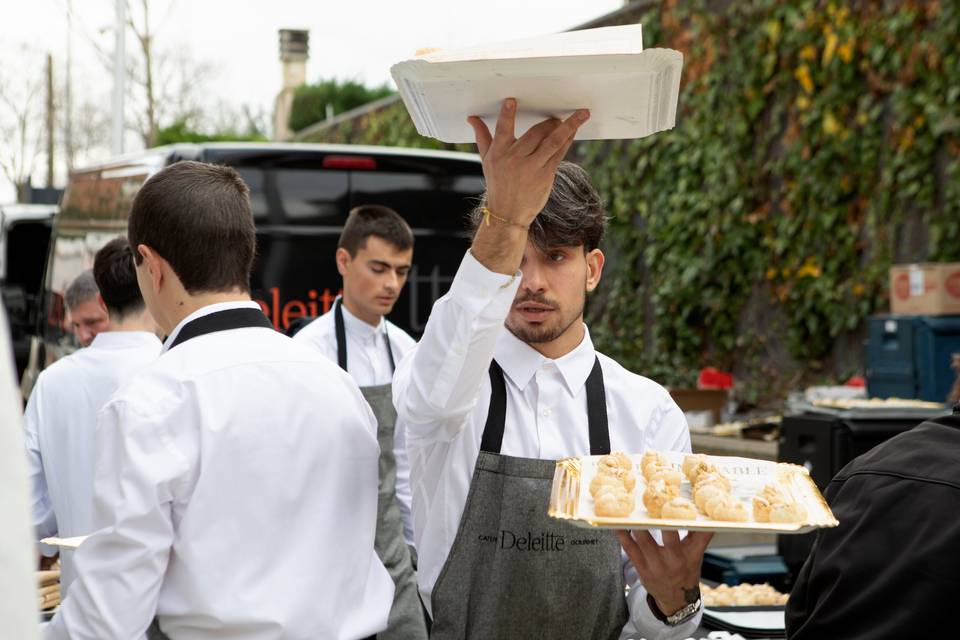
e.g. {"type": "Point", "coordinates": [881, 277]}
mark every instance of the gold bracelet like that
{"type": "Point", "coordinates": [487, 214]}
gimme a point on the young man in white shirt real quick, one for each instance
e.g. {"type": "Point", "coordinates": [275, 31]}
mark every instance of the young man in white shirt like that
{"type": "Point", "coordinates": [235, 497]}
{"type": "Point", "coordinates": [61, 415]}
{"type": "Point", "coordinates": [504, 381]}
{"type": "Point", "coordinates": [374, 255]}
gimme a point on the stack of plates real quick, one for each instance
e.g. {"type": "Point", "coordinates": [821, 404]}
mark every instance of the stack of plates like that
{"type": "Point", "coordinates": [631, 93]}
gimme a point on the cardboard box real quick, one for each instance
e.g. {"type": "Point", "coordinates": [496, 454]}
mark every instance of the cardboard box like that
{"type": "Point", "coordinates": [712, 400]}
{"type": "Point", "coordinates": [930, 289]}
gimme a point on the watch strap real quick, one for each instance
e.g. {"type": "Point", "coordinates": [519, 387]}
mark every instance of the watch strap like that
{"type": "Point", "coordinates": [679, 617]}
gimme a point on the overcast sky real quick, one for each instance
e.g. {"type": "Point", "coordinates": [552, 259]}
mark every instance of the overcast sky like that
{"type": "Point", "coordinates": [356, 39]}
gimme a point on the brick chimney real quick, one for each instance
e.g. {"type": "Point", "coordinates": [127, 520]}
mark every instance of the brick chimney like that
{"type": "Point", "coordinates": [294, 51]}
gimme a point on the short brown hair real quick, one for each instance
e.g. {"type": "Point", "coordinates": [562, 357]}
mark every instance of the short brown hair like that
{"type": "Point", "coordinates": [116, 276]}
{"type": "Point", "coordinates": [374, 220]}
{"type": "Point", "coordinates": [574, 214]}
{"type": "Point", "coordinates": [197, 217]}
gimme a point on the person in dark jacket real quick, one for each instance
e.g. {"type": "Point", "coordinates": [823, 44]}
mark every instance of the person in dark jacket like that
{"type": "Point", "coordinates": [892, 567]}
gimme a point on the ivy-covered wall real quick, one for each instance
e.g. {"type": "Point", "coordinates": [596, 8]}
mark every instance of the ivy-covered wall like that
{"type": "Point", "coordinates": [817, 143]}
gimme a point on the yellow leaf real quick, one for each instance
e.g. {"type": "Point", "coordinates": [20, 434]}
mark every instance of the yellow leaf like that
{"type": "Point", "coordinates": [771, 273]}
{"type": "Point", "coordinates": [772, 27]}
{"type": "Point", "coordinates": [803, 103]}
{"type": "Point", "coordinates": [802, 75]}
{"type": "Point", "coordinates": [829, 48]}
{"type": "Point", "coordinates": [846, 51]}
{"type": "Point", "coordinates": [809, 52]}
{"type": "Point", "coordinates": [830, 124]}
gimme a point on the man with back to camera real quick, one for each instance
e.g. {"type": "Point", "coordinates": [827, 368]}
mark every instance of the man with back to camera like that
{"type": "Point", "coordinates": [374, 256]}
{"type": "Point", "coordinates": [61, 415]}
{"type": "Point", "coordinates": [86, 316]}
{"type": "Point", "coordinates": [504, 381]}
{"type": "Point", "coordinates": [889, 569]}
{"type": "Point", "coordinates": [234, 497]}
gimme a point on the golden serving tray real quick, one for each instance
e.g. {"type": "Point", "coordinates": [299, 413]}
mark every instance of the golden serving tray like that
{"type": "Point", "coordinates": [748, 477]}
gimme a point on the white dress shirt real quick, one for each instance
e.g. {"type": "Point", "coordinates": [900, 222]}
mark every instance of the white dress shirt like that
{"type": "Point", "coordinates": [60, 431]}
{"type": "Point", "coordinates": [442, 391]}
{"type": "Point", "coordinates": [18, 583]}
{"type": "Point", "coordinates": [369, 364]}
{"type": "Point", "coordinates": [234, 498]}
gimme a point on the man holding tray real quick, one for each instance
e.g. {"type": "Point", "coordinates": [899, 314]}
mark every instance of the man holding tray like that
{"type": "Point", "coordinates": [505, 381]}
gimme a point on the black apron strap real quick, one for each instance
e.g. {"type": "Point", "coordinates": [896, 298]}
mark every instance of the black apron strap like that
{"type": "Point", "coordinates": [597, 412]}
{"type": "Point", "coordinates": [393, 365]}
{"type": "Point", "coordinates": [341, 335]}
{"type": "Point", "coordinates": [492, 439]}
{"type": "Point", "coordinates": [341, 332]}
{"type": "Point", "coordinates": [497, 413]}
{"type": "Point", "coordinates": [222, 321]}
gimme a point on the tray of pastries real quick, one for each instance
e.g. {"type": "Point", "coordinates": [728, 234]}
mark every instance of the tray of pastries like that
{"type": "Point", "coordinates": [674, 490]}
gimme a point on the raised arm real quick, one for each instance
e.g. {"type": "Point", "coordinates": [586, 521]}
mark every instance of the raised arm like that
{"type": "Point", "coordinates": [439, 382]}
{"type": "Point", "coordinates": [519, 175]}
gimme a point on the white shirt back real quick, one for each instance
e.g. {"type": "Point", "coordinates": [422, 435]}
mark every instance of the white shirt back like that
{"type": "Point", "coordinates": [60, 430]}
{"type": "Point", "coordinates": [235, 497]}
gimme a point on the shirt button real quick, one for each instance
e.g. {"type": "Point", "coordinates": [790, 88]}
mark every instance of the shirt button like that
{"type": "Point", "coordinates": [546, 413]}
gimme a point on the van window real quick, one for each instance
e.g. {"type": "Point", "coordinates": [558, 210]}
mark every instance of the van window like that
{"type": "Point", "coordinates": [286, 196]}
{"type": "Point", "coordinates": [427, 201]}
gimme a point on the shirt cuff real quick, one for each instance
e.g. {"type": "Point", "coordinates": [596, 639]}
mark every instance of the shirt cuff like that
{"type": "Point", "coordinates": [475, 287]}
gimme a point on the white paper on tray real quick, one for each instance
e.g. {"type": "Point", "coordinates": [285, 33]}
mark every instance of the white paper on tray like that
{"type": "Point", "coordinates": [631, 93]}
{"type": "Point", "coordinates": [65, 543]}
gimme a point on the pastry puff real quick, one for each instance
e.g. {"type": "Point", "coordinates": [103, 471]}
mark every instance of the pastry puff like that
{"type": "Point", "coordinates": [619, 478]}
{"type": "Point", "coordinates": [657, 494]}
{"type": "Point", "coordinates": [774, 505]}
{"type": "Point", "coordinates": [691, 461]}
{"type": "Point", "coordinates": [651, 461]}
{"type": "Point", "coordinates": [613, 502]}
{"type": "Point", "coordinates": [726, 508]}
{"type": "Point", "coordinates": [679, 509]}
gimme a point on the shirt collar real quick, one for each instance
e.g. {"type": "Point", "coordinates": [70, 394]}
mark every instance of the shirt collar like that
{"type": "Point", "coordinates": [357, 328]}
{"type": "Point", "coordinates": [123, 339]}
{"type": "Point", "coordinates": [205, 311]}
{"type": "Point", "coordinates": [520, 361]}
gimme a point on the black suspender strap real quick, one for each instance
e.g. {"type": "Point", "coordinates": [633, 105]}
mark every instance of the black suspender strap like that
{"type": "Point", "coordinates": [240, 318]}
{"type": "Point", "coordinates": [341, 331]}
{"type": "Point", "coordinates": [492, 439]}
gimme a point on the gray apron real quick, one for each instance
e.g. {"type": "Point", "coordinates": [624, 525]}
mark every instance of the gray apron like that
{"type": "Point", "coordinates": [406, 621]}
{"type": "Point", "coordinates": [515, 572]}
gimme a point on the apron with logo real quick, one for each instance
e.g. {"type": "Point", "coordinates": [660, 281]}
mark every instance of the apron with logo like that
{"type": "Point", "coordinates": [406, 621]}
{"type": "Point", "coordinates": [515, 572]}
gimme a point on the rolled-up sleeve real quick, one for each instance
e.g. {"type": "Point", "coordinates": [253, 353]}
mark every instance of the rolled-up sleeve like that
{"type": "Point", "coordinates": [437, 382]}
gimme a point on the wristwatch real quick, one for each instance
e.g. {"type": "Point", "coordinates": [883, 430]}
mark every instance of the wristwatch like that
{"type": "Point", "coordinates": [676, 618]}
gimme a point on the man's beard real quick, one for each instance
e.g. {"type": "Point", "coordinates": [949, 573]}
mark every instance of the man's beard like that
{"type": "Point", "coordinates": [539, 334]}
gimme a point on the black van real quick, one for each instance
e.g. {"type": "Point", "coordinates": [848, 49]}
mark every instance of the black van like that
{"type": "Point", "coordinates": [301, 194]}
{"type": "Point", "coordinates": [24, 238]}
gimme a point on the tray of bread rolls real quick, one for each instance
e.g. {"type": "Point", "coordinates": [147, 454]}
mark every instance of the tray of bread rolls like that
{"type": "Point", "coordinates": [696, 492]}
